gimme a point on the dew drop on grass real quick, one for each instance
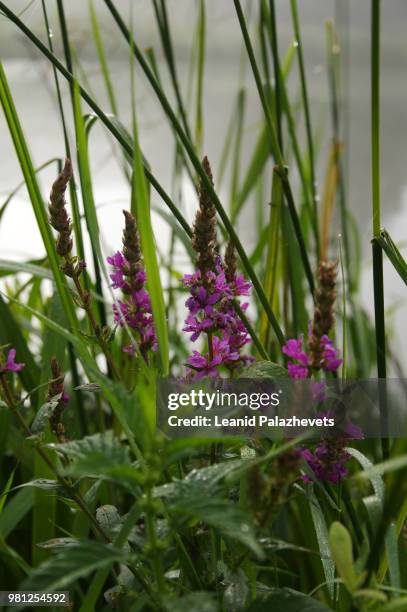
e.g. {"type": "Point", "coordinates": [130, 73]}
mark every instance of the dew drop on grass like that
{"type": "Point", "coordinates": [296, 43]}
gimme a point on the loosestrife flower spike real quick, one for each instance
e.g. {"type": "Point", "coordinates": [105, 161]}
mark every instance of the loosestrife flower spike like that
{"type": "Point", "coordinates": [11, 365]}
{"type": "Point", "coordinates": [323, 320]}
{"type": "Point", "coordinates": [129, 276]}
{"type": "Point", "coordinates": [212, 288]}
{"type": "Point", "coordinates": [60, 220]}
{"type": "Point", "coordinates": [329, 457]}
{"type": "Point", "coordinates": [302, 364]}
{"type": "Point", "coordinates": [204, 240]}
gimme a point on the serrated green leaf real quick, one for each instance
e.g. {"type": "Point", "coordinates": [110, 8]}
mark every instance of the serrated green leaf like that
{"type": "Point", "coordinates": [93, 454]}
{"type": "Point", "coordinates": [46, 410]}
{"type": "Point", "coordinates": [265, 369]}
{"type": "Point", "coordinates": [108, 518]}
{"type": "Point", "coordinates": [71, 563]}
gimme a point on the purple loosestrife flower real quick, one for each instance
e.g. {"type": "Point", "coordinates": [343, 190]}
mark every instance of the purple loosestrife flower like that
{"type": "Point", "coordinates": [129, 276]}
{"type": "Point", "coordinates": [11, 365]}
{"type": "Point", "coordinates": [329, 457]}
{"type": "Point", "coordinates": [302, 364]}
{"type": "Point", "coordinates": [212, 288]}
{"type": "Point", "coordinates": [330, 359]}
{"type": "Point", "coordinates": [327, 462]}
{"type": "Point", "coordinates": [206, 365]}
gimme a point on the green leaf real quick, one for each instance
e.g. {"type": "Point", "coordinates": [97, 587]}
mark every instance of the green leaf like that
{"type": "Point", "coordinates": [46, 484]}
{"type": "Point", "coordinates": [221, 514]}
{"type": "Point", "coordinates": [102, 456]}
{"type": "Point", "coordinates": [264, 369]}
{"type": "Point", "coordinates": [6, 490]}
{"type": "Point", "coordinates": [12, 267]}
{"type": "Point", "coordinates": [341, 547]}
{"type": "Point", "coordinates": [15, 510]}
{"type": "Point", "coordinates": [287, 600]}
{"type": "Point", "coordinates": [395, 605]}
{"type": "Point", "coordinates": [374, 477]}
{"type": "Point", "coordinates": [85, 177]}
{"type": "Point", "coordinates": [71, 563]}
{"type": "Point", "coordinates": [108, 518]}
{"type": "Point", "coordinates": [115, 393]}
{"type": "Point", "coordinates": [321, 531]}
{"type": "Point", "coordinates": [198, 601]}
{"type": "Point", "coordinates": [392, 551]}
{"type": "Point", "coordinates": [207, 480]}
{"type": "Point", "coordinates": [40, 420]}
{"type": "Point", "coordinates": [57, 543]}
{"type": "Point", "coordinates": [198, 496]}
{"type": "Point", "coordinates": [93, 454]}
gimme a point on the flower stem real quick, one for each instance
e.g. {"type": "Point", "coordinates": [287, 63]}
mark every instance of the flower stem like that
{"type": "Point", "coordinates": [152, 538]}
{"type": "Point", "coordinates": [210, 346]}
{"type": "Point", "coordinates": [95, 326]}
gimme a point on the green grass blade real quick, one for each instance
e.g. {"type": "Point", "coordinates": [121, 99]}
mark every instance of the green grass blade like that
{"type": "Point", "coordinates": [89, 205]}
{"type": "Point", "coordinates": [200, 75]}
{"type": "Point", "coordinates": [305, 104]}
{"type": "Point", "coordinates": [140, 205]}
{"type": "Point", "coordinates": [15, 510]}
{"type": "Point", "coordinates": [273, 248]}
{"type": "Point", "coordinates": [100, 50]}
{"type": "Point", "coordinates": [35, 194]}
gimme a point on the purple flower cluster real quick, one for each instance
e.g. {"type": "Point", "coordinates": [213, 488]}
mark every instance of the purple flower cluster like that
{"type": "Point", "coordinates": [300, 366]}
{"type": "Point", "coordinates": [327, 462]}
{"type": "Point", "coordinates": [11, 365]}
{"type": "Point", "coordinates": [329, 457]}
{"type": "Point", "coordinates": [135, 309]}
{"type": "Point", "coordinates": [211, 312]}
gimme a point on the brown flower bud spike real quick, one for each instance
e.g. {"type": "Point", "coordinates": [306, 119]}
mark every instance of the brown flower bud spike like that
{"type": "Point", "coordinates": [59, 217]}
{"type": "Point", "coordinates": [230, 262]}
{"type": "Point", "coordinates": [204, 241]}
{"type": "Point", "coordinates": [323, 321]}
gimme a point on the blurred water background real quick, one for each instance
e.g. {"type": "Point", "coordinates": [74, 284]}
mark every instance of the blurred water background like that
{"type": "Point", "coordinates": [32, 86]}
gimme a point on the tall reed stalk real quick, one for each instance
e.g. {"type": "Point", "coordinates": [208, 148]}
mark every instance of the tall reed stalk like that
{"type": "Point", "coordinates": [378, 284]}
